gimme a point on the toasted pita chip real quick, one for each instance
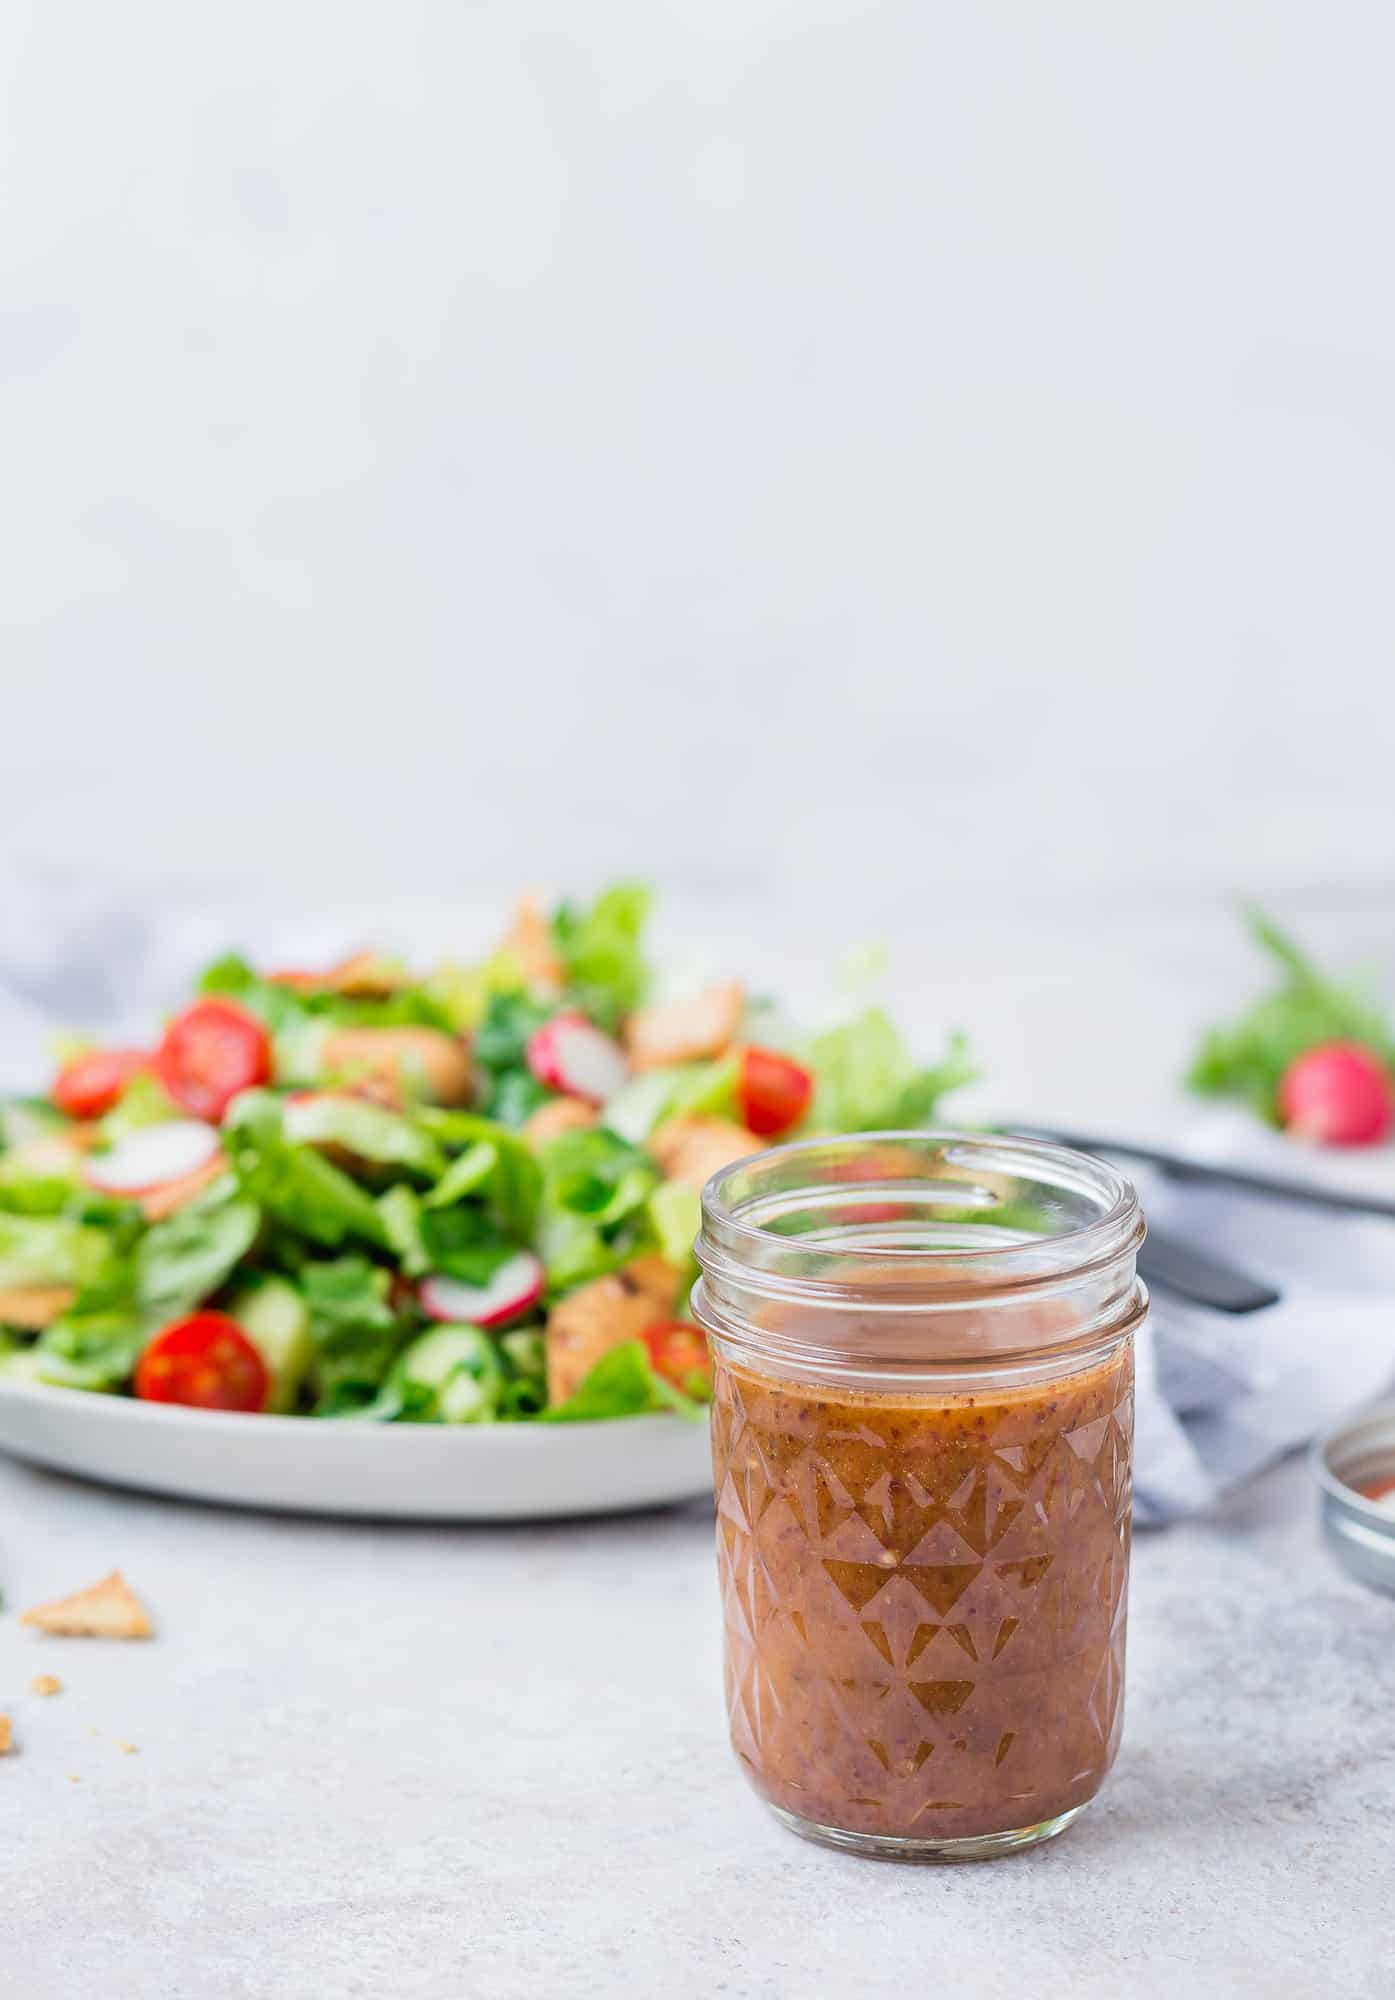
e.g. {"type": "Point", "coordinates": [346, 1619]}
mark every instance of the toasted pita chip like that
{"type": "Point", "coordinates": [6, 1735]}
{"type": "Point", "coordinates": [34, 1306]}
{"type": "Point", "coordinates": [686, 1030]}
{"type": "Point", "coordinates": [106, 1610]}
{"type": "Point", "coordinates": [599, 1316]}
{"type": "Point", "coordinates": [45, 1684]}
{"type": "Point", "coordinates": [390, 1064]}
{"type": "Point", "coordinates": [530, 942]}
{"type": "Point", "coordinates": [558, 1115]}
{"type": "Point", "coordinates": [691, 1150]}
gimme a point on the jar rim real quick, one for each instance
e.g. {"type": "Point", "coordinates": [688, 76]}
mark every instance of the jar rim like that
{"type": "Point", "coordinates": [998, 1245]}
{"type": "Point", "coordinates": [1115, 1193]}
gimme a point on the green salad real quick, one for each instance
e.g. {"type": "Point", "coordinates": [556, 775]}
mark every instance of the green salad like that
{"type": "Point", "coordinates": [464, 1196]}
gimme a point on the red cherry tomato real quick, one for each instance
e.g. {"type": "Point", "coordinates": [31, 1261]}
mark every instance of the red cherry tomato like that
{"type": "Point", "coordinates": [678, 1351]}
{"type": "Point", "coordinates": [772, 1092]}
{"type": "Point", "coordinates": [210, 1052]}
{"type": "Point", "coordinates": [205, 1361]}
{"type": "Point", "coordinates": [90, 1084]}
{"type": "Point", "coordinates": [1340, 1094]}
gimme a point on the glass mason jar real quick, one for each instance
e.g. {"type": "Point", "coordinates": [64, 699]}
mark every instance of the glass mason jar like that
{"type": "Point", "coordinates": [922, 1437]}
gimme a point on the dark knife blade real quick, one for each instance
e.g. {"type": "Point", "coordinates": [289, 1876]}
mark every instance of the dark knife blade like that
{"type": "Point", "coordinates": [1173, 1266]}
{"type": "Point", "coordinates": [1280, 1187]}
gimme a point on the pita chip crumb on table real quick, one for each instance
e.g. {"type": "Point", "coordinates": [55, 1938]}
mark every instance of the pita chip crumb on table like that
{"type": "Point", "coordinates": [106, 1610]}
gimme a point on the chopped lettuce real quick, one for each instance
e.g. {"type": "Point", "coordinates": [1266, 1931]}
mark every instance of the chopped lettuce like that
{"type": "Point", "coordinates": [366, 1130]}
{"type": "Point", "coordinates": [675, 1216]}
{"type": "Point", "coordinates": [596, 1174]}
{"type": "Point", "coordinates": [24, 1119]}
{"type": "Point", "coordinates": [513, 1184]}
{"type": "Point", "coordinates": [865, 1079]}
{"type": "Point", "coordinates": [684, 1090]}
{"type": "Point", "coordinates": [182, 1261]}
{"type": "Point", "coordinates": [622, 1384]}
{"type": "Point", "coordinates": [602, 951]}
{"type": "Point", "coordinates": [355, 1330]}
{"type": "Point", "coordinates": [94, 1350]}
{"type": "Point", "coordinates": [53, 1250]}
{"type": "Point", "coordinates": [295, 1184]}
{"type": "Point", "coordinates": [595, 1188]}
{"type": "Point", "coordinates": [144, 1101]}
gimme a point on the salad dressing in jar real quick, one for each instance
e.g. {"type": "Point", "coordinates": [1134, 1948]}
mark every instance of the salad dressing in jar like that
{"type": "Point", "coordinates": [922, 1441]}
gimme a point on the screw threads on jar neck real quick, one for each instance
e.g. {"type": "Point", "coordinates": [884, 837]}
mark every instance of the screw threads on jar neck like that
{"type": "Point", "coordinates": [918, 1252]}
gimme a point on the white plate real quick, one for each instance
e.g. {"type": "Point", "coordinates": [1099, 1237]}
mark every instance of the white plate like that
{"type": "Point", "coordinates": [424, 1472]}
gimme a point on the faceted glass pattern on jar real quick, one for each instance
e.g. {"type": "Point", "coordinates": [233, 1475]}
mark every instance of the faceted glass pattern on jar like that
{"type": "Point", "coordinates": [925, 1607]}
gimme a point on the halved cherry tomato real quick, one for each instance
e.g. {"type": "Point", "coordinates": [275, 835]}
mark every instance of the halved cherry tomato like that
{"type": "Point", "coordinates": [205, 1361]}
{"type": "Point", "coordinates": [90, 1084]}
{"type": "Point", "coordinates": [678, 1351]}
{"type": "Point", "coordinates": [210, 1052]}
{"type": "Point", "coordinates": [772, 1093]}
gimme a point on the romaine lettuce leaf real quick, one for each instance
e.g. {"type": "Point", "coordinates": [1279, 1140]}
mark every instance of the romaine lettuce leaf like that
{"type": "Point", "coordinates": [53, 1250]}
{"type": "Point", "coordinates": [356, 1332]}
{"type": "Point", "coordinates": [511, 1188]}
{"type": "Point", "coordinates": [182, 1261]}
{"type": "Point", "coordinates": [94, 1350]}
{"type": "Point", "coordinates": [294, 1183]}
{"type": "Point", "coordinates": [369, 1131]}
{"type": "Point", "coordinates": [597, 1175]}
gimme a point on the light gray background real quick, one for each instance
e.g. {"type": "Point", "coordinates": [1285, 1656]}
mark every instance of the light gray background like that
{"type": "Point", "coordinates": [901, 469]}
{"type": "Point", "coordinates": [831, 451]}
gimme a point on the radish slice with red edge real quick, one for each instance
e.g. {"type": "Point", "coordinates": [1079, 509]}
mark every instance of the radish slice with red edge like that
{"type": "Point", "coordinates": [571, 1054]}
{"type": "Point", "coordinates": [515, 1286]}
{"type": "Point", "coordinates": [153, 1157]}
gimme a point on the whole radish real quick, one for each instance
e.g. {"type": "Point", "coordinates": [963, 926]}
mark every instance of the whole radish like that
{"type": "Point", "coordinates": [1339, 1094]}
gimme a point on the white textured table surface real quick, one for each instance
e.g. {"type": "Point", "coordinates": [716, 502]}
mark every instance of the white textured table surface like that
{"type": "Point", "coordinates": [489, 1763]}
{"type": "Point", "coordinates": [493, 1763]}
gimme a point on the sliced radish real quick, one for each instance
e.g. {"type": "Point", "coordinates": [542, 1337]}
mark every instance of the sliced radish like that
{"type": "Point", "coordinates": [571, 1054]}
{"type": "Point", "coordinates": [153, 1157]}
{"type": "Point", "coordinates": [515, 1286]}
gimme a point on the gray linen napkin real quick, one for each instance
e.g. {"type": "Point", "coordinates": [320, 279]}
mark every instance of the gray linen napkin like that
{"type": "Point", "coordinates": [1221, 1396]}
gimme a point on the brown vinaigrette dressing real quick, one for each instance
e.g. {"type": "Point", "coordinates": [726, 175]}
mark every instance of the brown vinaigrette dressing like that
{"type": "Point", "coordinates": [925, 1595]}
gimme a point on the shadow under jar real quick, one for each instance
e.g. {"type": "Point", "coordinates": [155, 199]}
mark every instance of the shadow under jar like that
{"type": "Point", "coordinates": [922, 1439]}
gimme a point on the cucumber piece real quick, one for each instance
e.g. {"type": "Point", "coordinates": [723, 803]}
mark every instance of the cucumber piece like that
{"type": "Point", "coordinates": [276, 1319]}
{"type": "Point", "coordinates": [526, 1351]}
{"type": "Point", "coordinates": [459, 1367]}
